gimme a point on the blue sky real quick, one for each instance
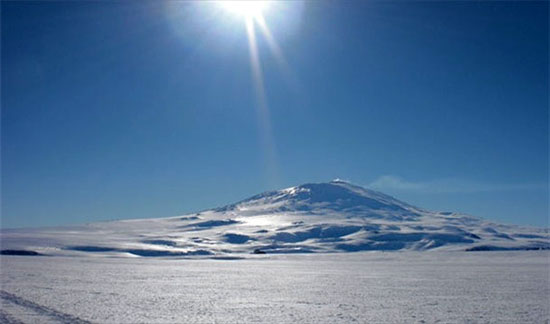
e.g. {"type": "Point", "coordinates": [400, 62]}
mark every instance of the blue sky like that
{"type": "Point", "coordinates": [116, 110]}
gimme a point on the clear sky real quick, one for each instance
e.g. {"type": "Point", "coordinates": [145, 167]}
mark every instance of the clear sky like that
{"type": "Point", "coordinates": [136, 109]}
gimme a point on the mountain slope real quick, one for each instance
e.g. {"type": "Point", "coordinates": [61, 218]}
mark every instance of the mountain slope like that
{"type": "Point", "coordinates": [317, 217]}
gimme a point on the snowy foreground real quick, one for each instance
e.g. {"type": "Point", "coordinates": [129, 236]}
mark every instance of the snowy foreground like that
{"type": "Point", "coordinates": [365, 287]}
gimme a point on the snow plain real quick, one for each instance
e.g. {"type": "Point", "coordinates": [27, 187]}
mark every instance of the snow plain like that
{"type": "Point", "coordinates": [363, 287]}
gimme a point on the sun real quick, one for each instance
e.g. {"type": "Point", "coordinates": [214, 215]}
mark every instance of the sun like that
{"type": "Point", "coordinates": [246, 8]}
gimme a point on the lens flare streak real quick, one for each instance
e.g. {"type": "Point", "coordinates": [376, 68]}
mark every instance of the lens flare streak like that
{"type": "Point", "coordinates": [252, 13]}
{"type": "Point", "coordinates": [277, 52]}
{"type": "Point", "coordinates": [264, 120]}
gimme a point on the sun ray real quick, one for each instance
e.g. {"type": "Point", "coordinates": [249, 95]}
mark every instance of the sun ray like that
{"type": "Point", "coordinates": [277, 53]}
{"type": "Point", "coordinates": [252, 13]}
{"type": "Point", "coordinates": [262, 108]}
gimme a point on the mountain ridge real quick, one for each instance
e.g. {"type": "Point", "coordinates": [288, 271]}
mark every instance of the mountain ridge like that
{"type": "Point", "coordinates": [335, 216]}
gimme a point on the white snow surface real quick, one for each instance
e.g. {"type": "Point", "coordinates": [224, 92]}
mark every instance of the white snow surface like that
{"type": "Point", "coordinates": [364, 287]}
{"type": "Point", "coordinates": [310, 218]}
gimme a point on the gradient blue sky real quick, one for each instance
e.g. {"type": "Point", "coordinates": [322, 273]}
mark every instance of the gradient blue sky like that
{"type": "Point", "coordinates": [132, 109]}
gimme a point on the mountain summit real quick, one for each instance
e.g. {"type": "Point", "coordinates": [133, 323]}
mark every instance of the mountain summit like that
{"type": "Point", "coordinates": [333, 198]}
{"type": "Point", "coordinates": [336, 216]}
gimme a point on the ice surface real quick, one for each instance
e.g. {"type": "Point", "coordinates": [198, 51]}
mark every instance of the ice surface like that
{"type": "Point", "coordinates": [311, 218]}
{"type": "Point", "coordinates": [366, 287]}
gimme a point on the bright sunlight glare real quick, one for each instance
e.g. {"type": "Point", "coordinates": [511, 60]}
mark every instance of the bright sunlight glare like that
{"type": "Point", "coordinates": [252, 12]}
{"type": "Point", "coordinates": [247, 9]}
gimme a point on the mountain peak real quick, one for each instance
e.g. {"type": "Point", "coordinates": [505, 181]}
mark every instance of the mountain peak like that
{"type": "Point", "coordinates": [335, 197]}
{"type": "Point", "coordinates": [338, 180]}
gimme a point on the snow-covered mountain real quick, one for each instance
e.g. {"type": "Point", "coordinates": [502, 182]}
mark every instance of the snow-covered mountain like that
{"type": "Point", "coordinates": [316, 217]}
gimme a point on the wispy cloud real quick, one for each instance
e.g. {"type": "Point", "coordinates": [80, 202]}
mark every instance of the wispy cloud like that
{"type": "Point", "coordinates": [449, 185]}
